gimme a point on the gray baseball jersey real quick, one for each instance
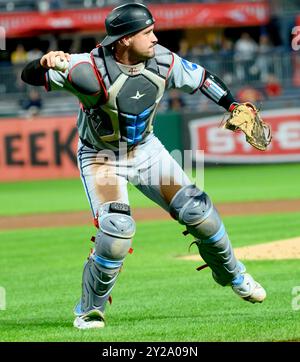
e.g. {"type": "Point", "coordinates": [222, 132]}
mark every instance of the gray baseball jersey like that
{"type": "Point", "coordinates": [132, 96]}
{"type": "Point", "coordinates": [131, 88]}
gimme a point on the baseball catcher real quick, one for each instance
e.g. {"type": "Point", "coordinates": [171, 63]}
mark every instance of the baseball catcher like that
{"type": "Point", "coordinates": [119, 85]}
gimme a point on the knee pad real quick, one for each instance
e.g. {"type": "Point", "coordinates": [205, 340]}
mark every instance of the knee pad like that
{"type": "Point", "coordinates": [112, 243]}
{"type": "Point", "coordinates": [116, 229]}
{"type": "Point", "coordinates": [194, 209]}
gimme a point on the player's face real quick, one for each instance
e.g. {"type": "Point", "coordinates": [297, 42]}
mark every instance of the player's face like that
{"type": "Point", "coordinates": [142, 43]}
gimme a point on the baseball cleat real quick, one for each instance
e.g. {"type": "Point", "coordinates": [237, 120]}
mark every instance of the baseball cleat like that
{"type": "Point", "coordinates": [249, 289]}
{"type": "Point", "coordinates": [92, 319]}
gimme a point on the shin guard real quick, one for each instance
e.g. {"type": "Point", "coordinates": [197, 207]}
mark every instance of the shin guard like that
{"type": "Point", "coordinates": [193, 208]}
{"type": "Point", "coordinates": [112, 243]}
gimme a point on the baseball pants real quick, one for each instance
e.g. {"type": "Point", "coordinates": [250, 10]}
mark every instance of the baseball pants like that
{"type": "Point", "coordinates": [149, 167]}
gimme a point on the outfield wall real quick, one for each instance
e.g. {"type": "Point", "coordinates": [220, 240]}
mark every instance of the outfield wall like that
{"type": "Point", "coordinates": [42, 148]}
{"type": "Point", "coordinates": [45, 148]}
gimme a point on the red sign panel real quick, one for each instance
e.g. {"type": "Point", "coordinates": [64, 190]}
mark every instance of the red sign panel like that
{"type": "Point", "coordinates": [42, 148]}
{"type": "Point", "coordinates": [170, 16]}
{"type": "Point", "coordinates": [224, 146]}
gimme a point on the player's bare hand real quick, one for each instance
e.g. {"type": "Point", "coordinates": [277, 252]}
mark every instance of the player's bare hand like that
{"type": "Point", "coordinates": [48, 61]}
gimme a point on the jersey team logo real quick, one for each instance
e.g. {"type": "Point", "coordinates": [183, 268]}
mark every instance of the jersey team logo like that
{"type": "Point", "coordinates": [138, 95]}
{"type": "Point", "coordinates": [188, 65]}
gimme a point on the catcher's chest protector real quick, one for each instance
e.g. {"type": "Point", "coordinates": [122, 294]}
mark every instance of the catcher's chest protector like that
{"type": "Point", "coordinates": [128, 110]}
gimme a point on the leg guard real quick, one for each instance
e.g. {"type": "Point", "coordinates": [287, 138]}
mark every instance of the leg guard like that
{"type": "Point", "coordinates": [113, 240]}
{"type": "Point", "coordinates": [193, 208]}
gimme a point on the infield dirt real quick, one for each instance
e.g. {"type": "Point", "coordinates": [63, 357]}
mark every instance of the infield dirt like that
{"type": "Point", "coordinates": [279, 249]}
{"type": "Point", "coordinates": [143, 214]}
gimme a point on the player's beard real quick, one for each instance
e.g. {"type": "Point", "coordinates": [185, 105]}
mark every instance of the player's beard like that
{"type": "Point", "coordinates": [136, 55]}
{"type": "Point", "coordinates": [145, 56]}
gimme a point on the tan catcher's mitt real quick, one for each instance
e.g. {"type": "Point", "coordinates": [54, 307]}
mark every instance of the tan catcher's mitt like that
{"type": "Point", "coordinates": [246, 117]}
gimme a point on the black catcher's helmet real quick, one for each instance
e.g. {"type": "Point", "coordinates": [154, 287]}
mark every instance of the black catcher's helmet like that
{"type": "Point", "coordinates": [126, 19]}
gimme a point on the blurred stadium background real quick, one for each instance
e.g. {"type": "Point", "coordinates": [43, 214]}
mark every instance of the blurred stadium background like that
{"type": "Point", "coordinates": [248, 44]}
{"type": "Point", "coordinates": [253, 47]}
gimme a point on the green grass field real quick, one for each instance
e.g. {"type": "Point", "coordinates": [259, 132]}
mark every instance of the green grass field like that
{"type": "Point", "coordinates": [158, 297]}
{"type": "Point", "coordinates": [273, 182]}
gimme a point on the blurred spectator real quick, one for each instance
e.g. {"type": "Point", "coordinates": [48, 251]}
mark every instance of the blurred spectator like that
{"type": "Point", "coordinates": [245, 50]}
{"type": "Point", "coordinates": [183, 48]}
{"type": "Point", "coordinates": [43, 6]}
{"type": "Point", "coordinates": [263, 61]}
{"type": "Point", "coordinates": [226, 48]}
{"type": "Point", "coordinates": [226, 54]}
{"type": "Point", "coordinates": [18, 58]}
{"type": "Point", "coordinates": [203, 54]}
{"type": "Point", "coordinates": [19, 55]}
{"type": "Point", "coordinates": [273, 87]}
{"type": "Point", "coordinates": [33, 104]}
{"type": "Point", "coordinates": [175, 101]}
{"type": "Point", "coordinates": [202, 49]}
{"type": "Point", "coordinates": [249, 94]}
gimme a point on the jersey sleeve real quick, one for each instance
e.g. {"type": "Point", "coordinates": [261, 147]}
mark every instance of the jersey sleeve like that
{"type": "Point", "coordinates": [56, 80]}
{"type": "Point", "coordinates": [185, 76]}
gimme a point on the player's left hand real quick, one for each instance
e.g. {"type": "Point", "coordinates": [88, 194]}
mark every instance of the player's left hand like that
{"type": "Point", "coordinates": [246, 117]}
